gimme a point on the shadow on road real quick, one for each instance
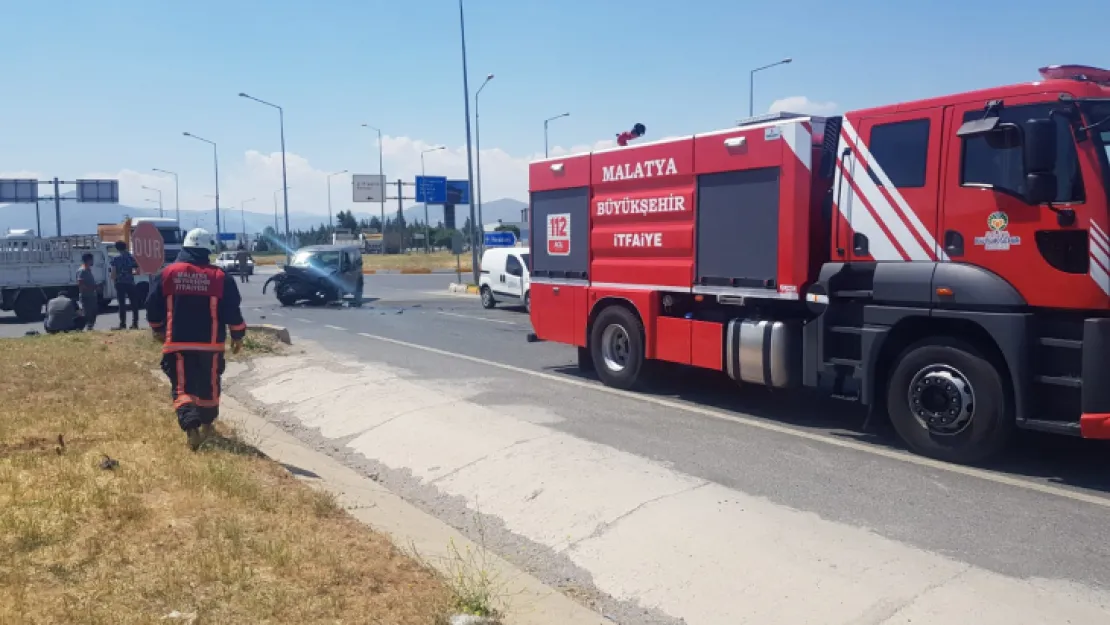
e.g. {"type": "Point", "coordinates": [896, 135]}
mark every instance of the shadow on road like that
{"type": "Point", "coordinates": [1056, 459]}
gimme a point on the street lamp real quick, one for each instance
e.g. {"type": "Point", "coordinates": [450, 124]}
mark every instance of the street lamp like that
{"type": "Point", "coordinates": [216, 163]}
{"type": "Point", "coordinates": [276, 230]}
{"type": "Point", "coordinates": [545, 123]}
{"type": "Point", "coordinates": [751, 83]}
{"type": "Point", "coordinates": [469, 152]}
{"type": "Point", "coordinates": [422, 176]}
{"type": "Point", "coordinates": [478, 149]}
{"type": "Point", "coordinates": [284, 181]}
{"type": "Point", "coordinates": [243, 216]}
{"type": "Point", "coordinates": [159, 192]}
{"type": "Point", "coordinates": [176, 193]}
{"type": "Point", "coordinates": [381, 176]}
{"type": "Point", "coordinates": [329, 177]}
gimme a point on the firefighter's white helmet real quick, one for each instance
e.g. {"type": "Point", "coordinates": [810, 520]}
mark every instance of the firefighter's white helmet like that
{"type": "Point", "coordinates": [200, 238]}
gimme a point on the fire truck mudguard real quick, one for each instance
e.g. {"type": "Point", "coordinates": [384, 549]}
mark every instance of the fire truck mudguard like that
{"type": "Point", "coordinates": [946, 261]}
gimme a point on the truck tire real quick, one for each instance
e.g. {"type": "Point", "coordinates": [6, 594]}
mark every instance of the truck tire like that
{"type": "Point", "coordinates": [528, 302]}
{"type": "Point", "coordinates": [617, 347]}
{"type": "Point", "coordinates": [28, 306]}
{"type": "Point", "coordinates": [487, 298]}
{"type": "Point", "coordinates": [948, 402]}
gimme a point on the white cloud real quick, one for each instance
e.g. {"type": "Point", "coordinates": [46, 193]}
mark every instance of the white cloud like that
{"type": "Point", "coordinates": [258, 175]}
{"type": "Point", "coordinates": [802, 104]}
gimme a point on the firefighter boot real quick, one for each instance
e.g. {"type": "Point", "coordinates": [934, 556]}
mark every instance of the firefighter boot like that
{"type": "Point", "coordinates": [195, 438]}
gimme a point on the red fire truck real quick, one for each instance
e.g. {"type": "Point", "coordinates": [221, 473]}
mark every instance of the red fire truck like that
{"type": "Point", "coordinates": [945, 262]}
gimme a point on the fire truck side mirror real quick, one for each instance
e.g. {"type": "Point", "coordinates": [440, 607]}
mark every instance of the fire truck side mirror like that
{"type": "Point", "coordinates": [1039, 138]}
{"type": "Point", "coordinates": [1039, 146]}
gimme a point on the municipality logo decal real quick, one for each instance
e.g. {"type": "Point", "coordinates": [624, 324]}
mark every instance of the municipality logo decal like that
{"type": "Point", "coordinates": [997, 221]}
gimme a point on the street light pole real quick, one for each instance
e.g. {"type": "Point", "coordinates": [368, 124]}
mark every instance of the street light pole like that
{"type": "Point", "coordinates": [276, 229]}
{"type": "Point", "coordinates": [176, 193]}
{"type": "Point", "coordinates": [216, 163]}
{"type": "Point", "coordinates": [478, 150]}
{"type": "Point", "coordinates": [381, 176]}
{"type": "Point", "coordinates": [424, 175]}
{"type": "Point", "coordinates": [284, 180]}
{"type": "Point", "coordinates": [545, 123]}
{"type": "Point", "coordinates": [751, 83]}
{"type": "Point", "coordinates": [331, 222]}
{"type": "Point", "coordinates": [243, 216]}
{"type": "Point", "coordinates": [469, 151]}
{"type": "Point", "coordinates": [159, 192]}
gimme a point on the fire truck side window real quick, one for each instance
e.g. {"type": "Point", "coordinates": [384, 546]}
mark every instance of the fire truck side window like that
{"type": "Point", "coordinates": [1000, 167]}
{"type": "Point", "coordinates": [902, 150]}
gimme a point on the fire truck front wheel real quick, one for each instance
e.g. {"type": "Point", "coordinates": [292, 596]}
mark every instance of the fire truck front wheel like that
{"type": "Point", "coordinates": [947, 401]}
{"type": "Point", "coordinates": [617, 347]}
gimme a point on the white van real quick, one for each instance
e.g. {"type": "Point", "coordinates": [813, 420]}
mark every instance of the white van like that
{"type": "Point", "coordinates": [505, 277]}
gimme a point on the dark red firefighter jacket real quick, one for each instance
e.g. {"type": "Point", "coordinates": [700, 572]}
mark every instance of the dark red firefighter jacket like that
{"type": "Point", "coordinates": [195, 305]}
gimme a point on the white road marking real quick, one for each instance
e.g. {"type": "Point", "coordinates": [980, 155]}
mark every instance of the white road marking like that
{"type": "Point", "coordinates": [440, 312]}
{"type": "Point", "coordinates": [891, 454]}
{"type": "Point", "coordinates": [303, 320]}
{"type": "Point", "coordinates": [277, 314]}
{"type": "Point", "coordinates": [331, 327]}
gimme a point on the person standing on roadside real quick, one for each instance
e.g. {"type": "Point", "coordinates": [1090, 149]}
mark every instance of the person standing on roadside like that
{"type": "Point", "coordinates": [87, 291]}
{"type": "Point", "coordinates": [124, 267]}
{"type": "Point", "coordinates": [242, 258]}
{"type": "Point", "coordinates": [191, 309]}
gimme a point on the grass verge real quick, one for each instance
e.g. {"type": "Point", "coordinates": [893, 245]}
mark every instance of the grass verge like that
{"type": "Point", "coordinates": [107, 517]}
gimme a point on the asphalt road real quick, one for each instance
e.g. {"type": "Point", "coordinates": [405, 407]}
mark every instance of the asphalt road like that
{"type": "Point", "coordinates": [1038, 514]}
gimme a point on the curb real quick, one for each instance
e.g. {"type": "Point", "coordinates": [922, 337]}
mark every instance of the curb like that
{"type": "Point", "coordinates": [278, 332]}
{"type": "Point", "coordinates": [455, 287]}
{"type": "Point", "coordinates": [533, 603]}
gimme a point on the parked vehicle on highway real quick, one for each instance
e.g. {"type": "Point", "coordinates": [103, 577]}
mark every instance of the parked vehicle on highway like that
{"type": "Point", "coordinates": [320, 274]}
{"type": "Point", "coordinates": [504, 277]}
{"type": "Point", "coordinates": [34, 270]}
{"type": "Point", "coordinates": [229, 262]}
{"type": "Point", "coordinates": [945, 261]}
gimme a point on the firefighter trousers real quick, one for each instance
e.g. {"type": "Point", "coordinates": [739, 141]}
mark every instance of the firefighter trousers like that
{"type": "Point", "coordinates": [195, 384]}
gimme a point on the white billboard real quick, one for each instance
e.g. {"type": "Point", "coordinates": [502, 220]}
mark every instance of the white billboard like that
{"type": "Point", "coordinates": [368, 187]}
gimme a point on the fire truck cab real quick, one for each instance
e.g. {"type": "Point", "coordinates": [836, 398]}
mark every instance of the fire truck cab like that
{"type": "Point", "coordinates": [944, 261]}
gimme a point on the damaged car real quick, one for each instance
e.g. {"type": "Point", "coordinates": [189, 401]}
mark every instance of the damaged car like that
{"type": "Point", "coordinates": [320, 274]}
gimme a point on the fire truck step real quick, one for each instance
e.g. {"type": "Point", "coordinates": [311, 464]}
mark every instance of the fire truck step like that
{"type": "Point", "coordinates": [846, 329]}
{"type": "Point", "coordinates": [1059, 381]}
{"type": "Point", "coordinates": [1049, 341]}
{"type": "Point", "coordinates": [846, 362]}
{"type": "Point", "coordinates": [1069, 428]}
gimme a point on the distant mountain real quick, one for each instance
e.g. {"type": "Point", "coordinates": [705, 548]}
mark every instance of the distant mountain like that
{"type": "Point", "coordinates": [82, 218]}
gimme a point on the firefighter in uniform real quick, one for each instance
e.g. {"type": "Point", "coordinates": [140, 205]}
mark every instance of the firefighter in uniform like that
{"type": "Point", "coordinates": [191, 308]}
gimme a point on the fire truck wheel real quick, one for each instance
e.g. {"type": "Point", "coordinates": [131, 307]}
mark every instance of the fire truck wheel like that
{"type": "Point", "coordinates": [487, 298]}
{"type": "Point", "coordinates": [949, 402]}
{"type": "Point", "coordinates": [617, 347]}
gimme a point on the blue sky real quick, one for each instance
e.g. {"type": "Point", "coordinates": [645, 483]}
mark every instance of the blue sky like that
{"type": "Point", "coordinates": [108, 87]}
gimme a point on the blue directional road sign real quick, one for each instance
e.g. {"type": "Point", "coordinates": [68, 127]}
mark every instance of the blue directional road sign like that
{"type": "Point", "coordinates": [431, 189]}
{"type": "Point", "coordinates": [458, 192]}
{"type": "Point", "coordinates": [500, 239]}
{"type": "Point", "coordinates": [228, 236]}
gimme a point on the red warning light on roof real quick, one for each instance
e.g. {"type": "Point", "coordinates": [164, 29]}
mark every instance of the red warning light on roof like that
{"type": "Point", "coordinates": [1084, 73]}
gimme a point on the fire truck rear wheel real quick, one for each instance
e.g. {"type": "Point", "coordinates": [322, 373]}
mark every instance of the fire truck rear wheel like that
{"type": "Point", "coordinates": [617, 347]}
{"type": "Point", "coordinates": [948, 402]}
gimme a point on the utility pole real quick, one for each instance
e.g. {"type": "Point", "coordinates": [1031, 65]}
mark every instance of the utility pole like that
{"type": "Point", "coordinates": [478, 149]}
{"type": "Point", "coordinates": [469, 151]}
{"type": "Point", "coordinates": [331, 222]}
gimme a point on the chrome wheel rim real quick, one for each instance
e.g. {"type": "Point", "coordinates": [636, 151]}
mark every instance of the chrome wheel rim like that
{"type": "Point", "coordinates": [942, 400]}
{"type": "Point", "coordinates": [615, 348]}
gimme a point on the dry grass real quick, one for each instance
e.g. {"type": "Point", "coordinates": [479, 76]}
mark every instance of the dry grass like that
{"type": "Point", "coordinates": [230, 537]}
{"type": "Point", "coordinates": [393, 262]}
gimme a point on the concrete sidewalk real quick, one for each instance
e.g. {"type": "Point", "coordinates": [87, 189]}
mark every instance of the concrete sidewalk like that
{"type": "Point", "coordinates": [529, 601]}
